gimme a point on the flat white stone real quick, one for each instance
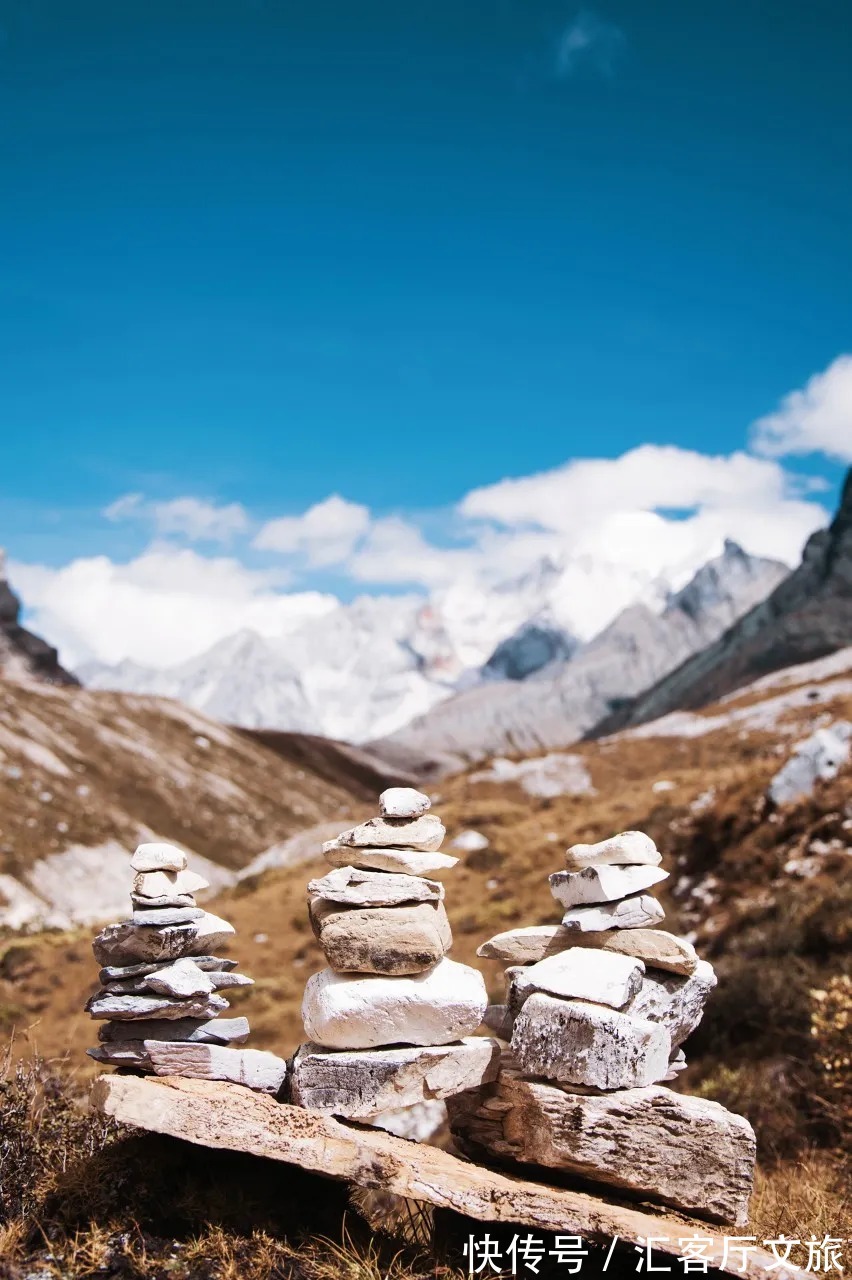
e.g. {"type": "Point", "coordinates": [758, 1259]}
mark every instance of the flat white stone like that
{"type": "Point", "coordinates": [222, 981]}
{"type": "Point", "coordinates": [210, 932]}
{"type": "Point", "coordinates": [157, 916]}
{"type": "Point", "coordinates": [425, 834]}
{"type": "Point", "coordinates": [363, 1084]}
{"type": "Point", "coordinates": [602, 884]}
{"type": "Point", "coordinates": [658, 949]}
{"type": "Point", "coordinates": [352, 886]}
{"type": "Point", "coordinates": [676, 1002]}
{"type": "Point", "coordinates": [687, 1152]}
{"type": "Point", "coordinates": [629, 913]}
{"type": "Point", "coordinates": [583, 974]}
{"type": "Point", "coordinates": [529, 944]}
{"type": "Point", "coordinates": [195, 1030]}
{"type": "Point", "coordinates": [407, 862]}
{"type": "Point", "coordinates": [588, 1044]}
{"type": "Point", "coordinates": [127, 943]}
{"type": "Point", "coordinates": [175, 900]}
{"type": "Point", "coordinates": [443, 1004]}
{"type": "Point", "coordinates": [168, 884]}
{"type": "Point", "coordinates": [132, 1008]}
{"type": "Point", "coordinates": [254, 1068]}
{"type": "Point", "coordinates": [625, 849]}
{"type": "Point", "coordinates": [403, 802]}
{"type": "Point", "coordinates": [182, 979]}
{"type": "Point", "coordinates": [158, 857]}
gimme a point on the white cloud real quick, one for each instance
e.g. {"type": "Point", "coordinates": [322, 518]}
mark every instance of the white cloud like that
{"type": "Point", "coordinates": [815, 419]}
{"type": "Point", "coordinates": [193, 518]}
{"type": "Point", "coordinates": [395, 552]}
{"type": "Point", "coordinates": [325, 534]}
{"type": "Point", "coordinates": [167, 605]}
{"type": "Point", "coordinates": [592, 40]}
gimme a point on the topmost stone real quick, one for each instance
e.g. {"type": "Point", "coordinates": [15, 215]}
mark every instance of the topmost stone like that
{"type": "Point", "coordinates": [425, 833]}
{"type": "Point", "coordinates": [158, 857]}
{"type": "Point", "coordinates": [403, 802]}
{"type": "Point", "coordinates": [629, 848]}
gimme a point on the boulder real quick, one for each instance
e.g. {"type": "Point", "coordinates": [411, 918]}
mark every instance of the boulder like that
{"type": "Point", "coordinates": [687, 1152]}
{"type": "Point", "coordinates": [345, 1012]}
{"type": "Point", "coordinates": [674, 1001]}
{"type": "Point", "coordinates": [407, 862]}
{"type": "Point", "coordinates": [385, 940]}
{"type": "Point", "coordinates": [588, 1044]}
{"type": "Point", "coordinates": [626, 849]}
{"type": "Point", "coordinates": [581, 974]}
{"type": "Point", "coordinates": [629, 913]}
{"type": "Point", "coordinates": [354, 887]}
{"type": "Point", "coordinates": [425, 833]}
{"type": "Point", "coordinates": [158, 857]}
{"type": "Point", "coordinates": [194, 1030]}
{"type": "Point", "coordinates": [360, 1085]}
{"type": "Point", "coordinates": [602, 884]}
{"type": "Point", "coordinates": [403, 802]}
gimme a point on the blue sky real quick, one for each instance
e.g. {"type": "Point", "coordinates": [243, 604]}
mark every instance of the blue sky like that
{"type": "Point", "coordinates": [260, 253]}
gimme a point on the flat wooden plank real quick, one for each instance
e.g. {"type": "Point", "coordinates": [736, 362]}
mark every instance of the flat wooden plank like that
{"type": "Point", "coordinates": [231, 1117]}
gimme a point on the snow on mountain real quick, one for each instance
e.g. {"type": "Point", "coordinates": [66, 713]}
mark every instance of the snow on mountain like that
{"type": "Point", "coordinates": [364, 669]}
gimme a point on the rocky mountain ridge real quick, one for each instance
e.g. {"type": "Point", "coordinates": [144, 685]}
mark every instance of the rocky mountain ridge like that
{"type": "Point", "coordinates": [808, 615]}
{"type": "Point", "coordinates": [21, 652]}
{"type": "Point", "coordinates": [560, 702]}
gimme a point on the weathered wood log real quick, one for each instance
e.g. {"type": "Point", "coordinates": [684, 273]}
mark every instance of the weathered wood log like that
{"type": "Point", "coordinates": [230, 1117]}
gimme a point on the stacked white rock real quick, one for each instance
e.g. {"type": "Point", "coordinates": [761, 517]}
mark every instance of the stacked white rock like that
{"type": "Point", "coordinates": [596, 1011]}
{"type": "Point", "coordinates": [159, 1001]}
{"type": "Point", "coordinates": [390, 1021]}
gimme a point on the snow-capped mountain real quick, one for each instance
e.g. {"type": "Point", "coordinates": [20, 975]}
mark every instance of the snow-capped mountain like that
{"type": "Point", "coordinates": [367, 668]}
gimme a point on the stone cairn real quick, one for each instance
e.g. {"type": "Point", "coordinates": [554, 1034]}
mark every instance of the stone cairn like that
{"type": "Point", "coordinates": [159, 999]}
{"type": "Point", "coordinates": [390, 1022]}
{"type": "Point", "coordinates": [596, 1011]}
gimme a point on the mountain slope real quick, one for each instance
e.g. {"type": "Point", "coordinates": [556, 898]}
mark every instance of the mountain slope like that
{"type": "Point", "coordinates": [807, 616]}
{"type": "Point", "coordinates": [21, 652]}
{"type": "Point", "coordinates": [557, 706]}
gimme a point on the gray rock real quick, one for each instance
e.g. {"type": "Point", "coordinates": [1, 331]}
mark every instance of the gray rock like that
{"type": "Point", "coordinates": [816, 759]}
{"type": "Point", "coordinates": [403, 802]}
{"type": "Point", "coordinates": [628, 848]}
{"type": "Point", "coordinates": [387, 940]}
{"type": "Point", "coordinates": [582, 974]}
{"type": "Point", "coordinates": [158, 857]}
{"type": "Point", "coordinates": [676, 1002]}
{"type": "Point", "coordinates": [686, 1152]}
{"type": "Point", "coordinates": [210, 932]}
{"type": "Point", "coordinates": [602, 884]}
{"type": "Point", "coordinates": [193, 1030]}
{"type": "Point", "coordinates": [677, 1063]}
{"type": "Point", "coordinates": [222, 981]}
{"type": "Point", "coordinates": [125, 944]}
{"type": "Point", "coordinates": [361, 1085]}
{"type": "Point", "coordinates": [119, 1008]}
{"type": "Point", "coordinates": [254, 1068]}
{"type": "Point", "coordinates": [528, 945]}
{"type": "Point", "coordinates": [588, 1044]}
{"type": "Point", "coordinates": [407, 862]}
{"type": "Point", "coordinates": [629, 913]}
{"type": "Point", "coordinates": [159, 916]}
{"type": "Point", "coordinates": [182, 979]}
{"type": "Point", "coordinates": [352, 886]}
{"type": "Point", "coordinates": [119, 973]}
{"type": "Point", "coordinates": [425, 833]}
{"type": "Point", "coordinates": [148, 904]}
{"type": "Point", "coordinates": [499, 1019]}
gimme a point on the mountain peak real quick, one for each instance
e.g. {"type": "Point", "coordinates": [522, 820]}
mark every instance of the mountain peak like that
{"type": "Point", "coordinates": [21, 652]}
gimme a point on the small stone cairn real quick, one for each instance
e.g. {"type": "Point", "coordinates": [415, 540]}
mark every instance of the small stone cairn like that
{"type": "Point", "coordinates": [390, 1022]}
{"type": "Point", "coordinates": [596, 1011]}
{"type": "Point", "coordinates": [159, 999]}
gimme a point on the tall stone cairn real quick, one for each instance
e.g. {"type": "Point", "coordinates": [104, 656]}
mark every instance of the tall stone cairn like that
{"type": "Point", "coordinates": [597, 1009]}
{"type": "Point", "coordinates": [390, 1021]}
{"type": "Point", "coordinates": [159, 1001]}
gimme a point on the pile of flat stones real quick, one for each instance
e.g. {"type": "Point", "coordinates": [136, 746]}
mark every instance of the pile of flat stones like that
{"type": "Point", "coordinates": [390, 1021]}
{"type": "Point", "coordinates": [596, 1011]}
{"type": "Point", "coordinates": [159, 1001]}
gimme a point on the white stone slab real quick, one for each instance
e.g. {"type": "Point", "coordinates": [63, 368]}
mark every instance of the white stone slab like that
{"type": "Point", "coordinates": [602, 884]}
{"type": "Point", "coordinates": [164, 884]}
{"type": "Point", "coordinates": [588, 1044]}
{"type": "Point", "coordinates": [425, 833]}
{"type": "Point", "coordinates": [629, 913]}
{"type": "Point", "coordinates": [131, 1008]}
{"type": "Point", "coordinates": [582, 974]}
{"type": "Point", "coordinates": [443, 1004]}
{"type": "Point", "coordinates": [363, 1084]}
{"type": "Point", "coordinates": [407, 862]}
{"type": "Point", "coordinates": [353, 886]}
{"type": "Point", "coordinates": [625, 849]}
